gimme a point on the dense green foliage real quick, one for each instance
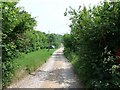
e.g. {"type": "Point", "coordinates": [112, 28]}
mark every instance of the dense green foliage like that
{"type": "Point", "coordinates": [92, 44]}
{"type": "Point", "coordinates": [19, 36]}
{"type": "Point", "coordinates": [54, 39]}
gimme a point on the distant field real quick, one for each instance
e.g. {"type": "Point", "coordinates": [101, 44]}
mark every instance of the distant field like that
{"type": "Point", "coordinates": [28, 63]}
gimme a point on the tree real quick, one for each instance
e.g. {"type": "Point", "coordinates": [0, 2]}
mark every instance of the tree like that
{"type": "Point", "coordinates": [94, 39]}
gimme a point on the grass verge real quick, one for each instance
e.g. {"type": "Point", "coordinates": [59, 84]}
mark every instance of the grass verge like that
{"type": "Point", "coordinates": [28, 63]}
{"type": "Point", "coordinates": [74, 60]}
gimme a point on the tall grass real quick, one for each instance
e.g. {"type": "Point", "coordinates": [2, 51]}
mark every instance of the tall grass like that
{"type": "Point", "coordinates": [27, 63]}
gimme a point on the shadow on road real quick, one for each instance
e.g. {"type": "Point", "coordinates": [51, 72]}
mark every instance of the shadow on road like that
{"type": "Point", "coordinates": [58, 76]}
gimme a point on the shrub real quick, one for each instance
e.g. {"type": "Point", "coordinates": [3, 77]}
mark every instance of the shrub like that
{"type": "Point", "coordinates": [94, 39]}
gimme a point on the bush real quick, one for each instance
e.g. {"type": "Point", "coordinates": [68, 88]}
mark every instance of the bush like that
{"type": "Point", "coordinates": [19, 36]}
{"type": "Point", "coordinates": [94, 39]}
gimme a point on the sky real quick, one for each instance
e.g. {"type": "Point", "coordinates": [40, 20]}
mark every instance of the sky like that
{"type": "Point", "coordinates": [50, 13]}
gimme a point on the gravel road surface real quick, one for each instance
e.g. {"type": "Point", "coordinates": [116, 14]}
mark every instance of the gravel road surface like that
{"type": "Point", "coordinates": [55, 73]}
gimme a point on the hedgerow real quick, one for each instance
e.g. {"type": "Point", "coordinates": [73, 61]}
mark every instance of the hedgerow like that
{"type": "Point", "coordinates": [95, 40]}
{"type": "Point", "coordinates": [19, 36]}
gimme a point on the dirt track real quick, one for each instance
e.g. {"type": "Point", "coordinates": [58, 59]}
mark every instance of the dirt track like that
{"type": "Point", "coordinates": [55, 73]}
